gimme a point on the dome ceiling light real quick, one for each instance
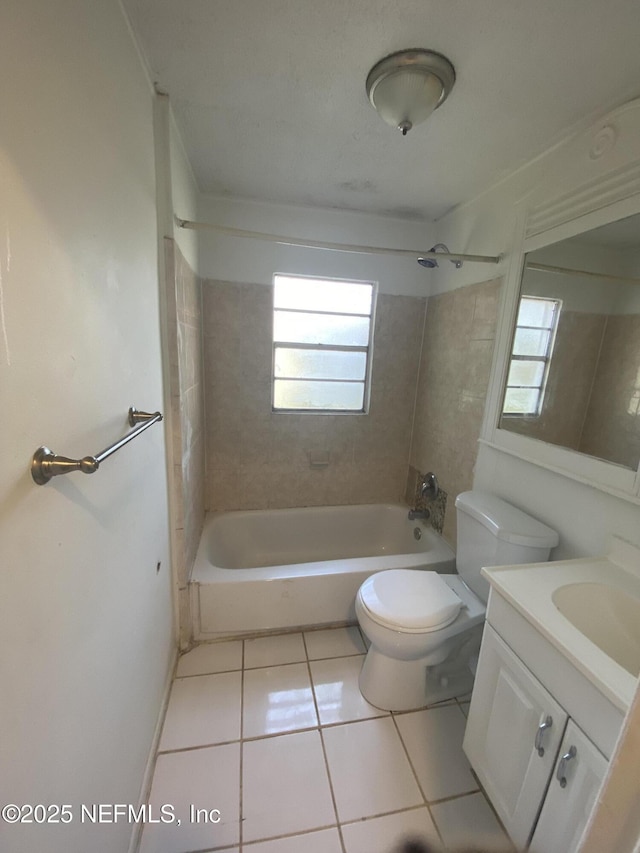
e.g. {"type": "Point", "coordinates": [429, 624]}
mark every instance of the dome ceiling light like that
{"type": "Point", "coordinates": [407, 86]}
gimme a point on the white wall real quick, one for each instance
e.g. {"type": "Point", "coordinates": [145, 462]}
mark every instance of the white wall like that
{"type": "Point", "coordinates": [583, 515]}
{"type": "Point", "coordinates": [255, 261]}
{"type": "Point", "coordinates": [85, 620]}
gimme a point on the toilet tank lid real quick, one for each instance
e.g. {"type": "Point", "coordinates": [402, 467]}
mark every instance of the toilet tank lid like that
{"type": "Point", "coordinates": [505, 521]}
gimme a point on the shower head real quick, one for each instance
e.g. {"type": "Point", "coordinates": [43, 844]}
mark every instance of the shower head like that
{"type": "Point", "coordinates": [430, 263]}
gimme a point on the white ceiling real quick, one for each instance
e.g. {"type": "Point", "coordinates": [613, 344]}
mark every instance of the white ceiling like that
{"type": "Point", "coordinates": [270, 95]}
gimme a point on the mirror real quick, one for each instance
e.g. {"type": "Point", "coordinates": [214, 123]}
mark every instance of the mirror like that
{"type": "Point", "coordinates": [574, 374]}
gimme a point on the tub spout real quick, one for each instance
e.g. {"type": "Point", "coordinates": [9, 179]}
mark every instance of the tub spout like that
{"type": "Point", "coordinates": [418, 513]}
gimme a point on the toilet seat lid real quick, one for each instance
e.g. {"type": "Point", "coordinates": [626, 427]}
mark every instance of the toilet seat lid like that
{"type": "Point", "coordinates": [410, 599]}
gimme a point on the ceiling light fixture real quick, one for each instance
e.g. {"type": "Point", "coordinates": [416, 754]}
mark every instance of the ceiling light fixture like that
{"type": "Point", "coordinates": [407, 86]}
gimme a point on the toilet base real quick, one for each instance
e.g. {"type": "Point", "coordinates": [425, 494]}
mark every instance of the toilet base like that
{"type": "Point", "coordinates": [405, 685]}
{"type": "Point", "coordinates": [397, 685]}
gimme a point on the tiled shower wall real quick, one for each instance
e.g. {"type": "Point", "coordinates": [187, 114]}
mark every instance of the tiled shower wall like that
{"type": "Point", "coordinates": [259, 459]}
{"type": "Point", "coordinates": [455, 366]}
{"type": "Point", "coordinates": [184, 316]}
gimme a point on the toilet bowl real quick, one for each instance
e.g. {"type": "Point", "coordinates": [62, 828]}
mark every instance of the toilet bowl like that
{"type": "Point", "coordinates": [425, 628]}
{"type": "Point", "coordinates": [415, 659]}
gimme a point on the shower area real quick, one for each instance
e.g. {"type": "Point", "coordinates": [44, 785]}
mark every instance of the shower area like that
{"type": "Point", "coordinates": [228, 449]}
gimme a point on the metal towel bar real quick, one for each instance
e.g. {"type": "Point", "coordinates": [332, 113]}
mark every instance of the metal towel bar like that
{"type": "Point", "coordinates": [46, 464]}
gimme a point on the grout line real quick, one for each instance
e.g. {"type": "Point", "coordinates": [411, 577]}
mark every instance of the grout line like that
{"type": "Point", "coordinates": [300, 832]}
{"type": "Point", "coordinates": [324, 749]}
{"type": "Point", "coordinates": [381, 716]}
{"type": "Point", "coordinates": [359, 820]}
{"type": "Point", "coordinates": [484, 794]}
{"type": "Point", "coordinates": [415, 776]}
{"type": "Point", "coordinates": [197, 746]}
{"type": "Point", "coordinates": [241, 803]}
{"type": "Point", "coordinates": [447, 703]}
{"type": "Point", "coordinates": [455, 797]}
{"type": "Point", "coordinates": [200, 674]}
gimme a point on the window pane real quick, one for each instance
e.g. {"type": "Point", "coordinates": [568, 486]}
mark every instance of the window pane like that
{"type": "Point", "coordinates": [531, 342]}
{"type": "Point", "coordinates": [315, 364]}
{"type": "Point", "coordinates": [536, 312]}
{"type": "Point", "coordinates": [317, 295]}
{"type": "Point", "coordinates": [528, 373]}
{"type": "Point", "coordinates": [318, 395]}
{"type": "Point", "coordinates": [521, 401]}
{"type": "Point", "coordinates": [320, 329]}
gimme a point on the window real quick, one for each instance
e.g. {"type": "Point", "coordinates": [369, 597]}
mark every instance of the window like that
{"type": "Point", "coordinates": [531, 356]}
{"type": "Point", "coordinates": [322, 333]}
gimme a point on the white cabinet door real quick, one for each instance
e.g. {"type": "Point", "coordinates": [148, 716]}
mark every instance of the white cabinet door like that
{"type": "Point", "coordinates": [512, 737]}
{"type": "Point", "coordinates": [579, 771]}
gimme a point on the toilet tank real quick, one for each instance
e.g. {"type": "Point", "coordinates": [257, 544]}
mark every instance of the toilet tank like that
{"type": "Point", "coordinates": [492, 532]}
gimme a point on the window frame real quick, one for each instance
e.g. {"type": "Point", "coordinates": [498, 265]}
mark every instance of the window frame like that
{"type": "Point", "coordinates": [542, 359]}
{"type": "Point", "coordinates": [320, 347]}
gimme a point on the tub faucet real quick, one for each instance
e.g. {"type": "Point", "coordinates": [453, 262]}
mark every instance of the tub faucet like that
{"type": "Point", "coordinates": [418, 513]}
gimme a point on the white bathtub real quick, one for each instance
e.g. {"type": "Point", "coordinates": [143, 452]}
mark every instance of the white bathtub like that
{"type": "Point", "coordinates": [265, 570]}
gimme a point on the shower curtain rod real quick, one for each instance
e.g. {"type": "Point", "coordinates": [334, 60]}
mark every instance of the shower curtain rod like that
{"type": "Point", "coordinates": [530, 265]}
{"type": "Point", "coordinates": [333, 247]}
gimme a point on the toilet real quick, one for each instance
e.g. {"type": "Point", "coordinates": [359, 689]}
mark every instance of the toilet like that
{"type": "Point", "coordinates": [424, 627]}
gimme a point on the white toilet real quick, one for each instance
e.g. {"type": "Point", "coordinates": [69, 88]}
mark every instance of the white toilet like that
{"type": "Point", "coordinates": [425, 628]}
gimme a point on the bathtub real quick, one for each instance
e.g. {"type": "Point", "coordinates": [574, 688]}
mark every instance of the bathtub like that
{"type": "Point", "coordinates": [267, 570]}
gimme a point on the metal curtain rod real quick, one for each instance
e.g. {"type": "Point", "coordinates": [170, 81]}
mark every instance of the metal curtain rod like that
{"type": "Point", "coordinates": [333, 247]}
{"type": "Point", "coordinates": [46, 464]}
{"type": "Point", "coordinates": [569, 271]}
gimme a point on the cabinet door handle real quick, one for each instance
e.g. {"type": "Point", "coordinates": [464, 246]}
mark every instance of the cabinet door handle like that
{"type": "Point", "coordinates": [540, 734]}
{"type": "Point", "coordinates": [562, 766]}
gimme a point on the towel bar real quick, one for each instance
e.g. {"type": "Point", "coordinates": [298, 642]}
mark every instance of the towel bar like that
{"type": "Point", "coordinates": [46, 464]}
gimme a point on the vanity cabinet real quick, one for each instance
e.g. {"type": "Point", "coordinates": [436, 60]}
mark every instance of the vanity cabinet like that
{"type": "Point", "coordinates": [516, 737]}
{"type": "Point", "coordinates": [577, 776]}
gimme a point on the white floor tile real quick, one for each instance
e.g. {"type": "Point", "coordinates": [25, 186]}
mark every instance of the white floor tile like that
{"type": "Point", "coordinates": [470, 821]}
{"type": "Point", "coordinates": [380, 834]}
{"type": "Point", "coordinates": [434, 743]}
{"type": "Point", "coordinates": [325, 841]}
{"type": "Point", "coordinates": [277, 699]}
{"type": "Point", "coordinates": [202, 710]}
{"type": "Point", "coordinates": [369, 769]}
{"type": "Point", "coordinates": [205, 778]}
{"type": "Point", "coordinates": [211, 657]}
{"type": "Point", "coordinates": [285, 786]}
{"type": "Point", "coordinates": [334, 643]}
{"type": "Point", "coordinates": [335, 683]}
{"type": "Point", "coordinates": [273, 651]}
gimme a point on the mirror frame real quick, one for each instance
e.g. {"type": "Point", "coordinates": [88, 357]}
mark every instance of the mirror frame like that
{"type": "Point", "coordinates": [593, 179]}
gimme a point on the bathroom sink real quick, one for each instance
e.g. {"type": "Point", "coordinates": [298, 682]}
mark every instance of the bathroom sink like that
{"type": "Point", "coordinates": [588, 608]}
{"type": "Point", "coordinates": [607, 616]}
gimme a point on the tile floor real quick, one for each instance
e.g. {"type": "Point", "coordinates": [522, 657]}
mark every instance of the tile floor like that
{"type": "Point", "coordinates": [269, 744]}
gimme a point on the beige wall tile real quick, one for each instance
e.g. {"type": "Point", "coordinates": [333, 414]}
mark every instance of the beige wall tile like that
{"type": "Point", "coordinates": [271, 453]}
{"type": "Point", "coordinates": [455, 366]}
